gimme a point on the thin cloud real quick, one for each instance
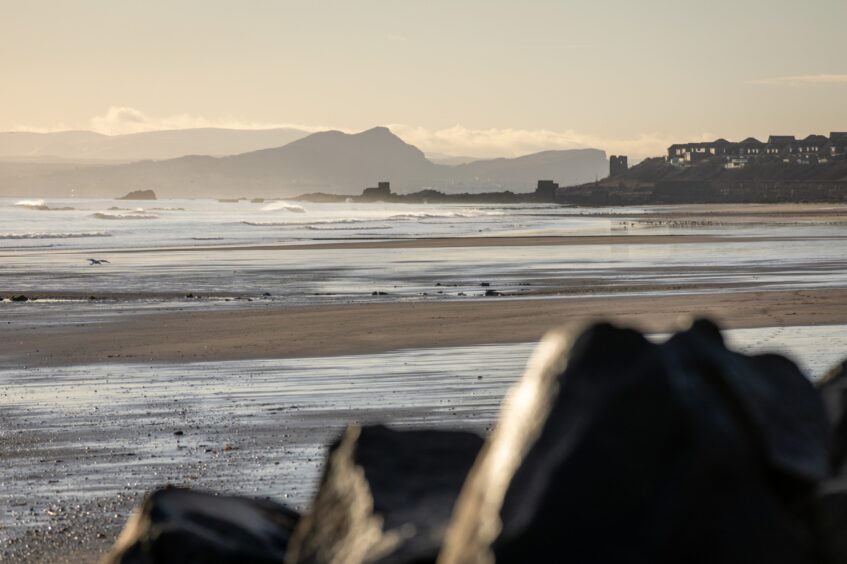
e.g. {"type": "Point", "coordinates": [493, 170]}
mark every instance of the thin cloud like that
{"type": "Point", "coordinates": [121, 120]}
{"type": "Point", "coordinates": [803, 79]}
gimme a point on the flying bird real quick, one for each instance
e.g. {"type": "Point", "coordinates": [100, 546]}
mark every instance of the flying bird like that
{"type": "Point", "coordinates": [92, 261]}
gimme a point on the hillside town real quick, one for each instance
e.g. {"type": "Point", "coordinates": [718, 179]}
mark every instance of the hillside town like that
{"type": "Point", "coordinates": [813, 149]}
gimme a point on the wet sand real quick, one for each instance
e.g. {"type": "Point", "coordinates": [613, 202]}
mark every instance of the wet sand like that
{"type": "Point", "coordinates": [312, 331]}
{"type": "Point", "coordinates": [84, 443]}
{"type": "Point", "coordinates": [490, 241]}
{"type": "Point", "coordinates": [91, 401]}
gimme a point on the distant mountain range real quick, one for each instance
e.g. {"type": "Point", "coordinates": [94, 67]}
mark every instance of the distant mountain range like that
{"type": "Point", "coordinates": [329, 161]}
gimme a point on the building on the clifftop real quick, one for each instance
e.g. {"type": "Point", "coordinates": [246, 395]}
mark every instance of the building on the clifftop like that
{"type": "Point", "coordinates": [779, 144]}
{"type": "Point", "coordinates": [381, 192]}
{"type": "Point", "coordinates": [618, 164]}
{"type": "Point", "coordinates": [546, 191]}
{"type": "Point", "coordinates": [836, 147]}
{"type": "Point", "coordinates": [813, 149]}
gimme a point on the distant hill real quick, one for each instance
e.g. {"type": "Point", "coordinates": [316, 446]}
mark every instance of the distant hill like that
{"type": "Point", "coordinates": [565, 167]}
{"type": "Point", "coordinates": [654, 181]}
{"type": "Point", "coordinates": [329, 161]}
{"type": "Point", "coordinates": [157, 145]}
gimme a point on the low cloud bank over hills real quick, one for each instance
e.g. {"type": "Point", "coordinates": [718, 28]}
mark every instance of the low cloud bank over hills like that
{"type": "Point", "coordinates": [170, 144]}
{"type": "Point", "coordinates": [329, 161]}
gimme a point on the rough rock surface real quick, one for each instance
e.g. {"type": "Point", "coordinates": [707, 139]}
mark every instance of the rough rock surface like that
{"type": "Point", "coordinates": [629, 451]}
{"type": "Point", "coordinates": [140, 195]}
{"type": "Point", "coordinates": [385, 496]}
{"type": "Point", "coordinates": [178, 525]}
{"type": "Point", "coordinates": [833, 388]}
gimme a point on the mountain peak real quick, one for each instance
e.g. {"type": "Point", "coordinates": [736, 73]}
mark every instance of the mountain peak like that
{"type": "Point", "coordinates": [334, 161]}
{"type": "Point", "coordinates": [377, 131]}
{"type": "Point", "coordinates": [376, 138]}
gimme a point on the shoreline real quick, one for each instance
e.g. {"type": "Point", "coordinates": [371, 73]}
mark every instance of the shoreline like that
{"type": "Point", "coordinates": [474, 241]}
{"type": "Point", "coordinates": [333, 330]}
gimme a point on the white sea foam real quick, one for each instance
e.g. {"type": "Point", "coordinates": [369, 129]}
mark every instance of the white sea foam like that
{"type": "Point", "coordinates": [54, 235]}
{"type": "Point", "coordinates": [276, 206]}
{"type": "Point", "coordinates": [45, 207]}
{"type": "Point", "coordinates": [307, 223]}
{"type": "Point", "coordinates": [446, 215]}
{"type": "Point", "coordinates": [100, 215]}
{"type": "Point", "coordinates": [36, 204]}
{"type": "Point", "coordinates": [359, 228]}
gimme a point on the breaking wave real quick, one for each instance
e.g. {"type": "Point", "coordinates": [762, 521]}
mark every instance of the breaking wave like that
{"type": "Point", "coordinates": [307, 223]}
{"type": "Point", "coordinates": [100, 215]}
{"type": "Point", "coordinates": [276, 206]}
{"type": "Point", "coordinates": [444, 215]}
{"type": "Point", "coordinates": [360, 228]}
{"type": "Point", "coordinates": [39, 205]}
{"type": "Point", "coordinates": [54, 235]}
{"type": "Point", "coordinates": [35, 204]}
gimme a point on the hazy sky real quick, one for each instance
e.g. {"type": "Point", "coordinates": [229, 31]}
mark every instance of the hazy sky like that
{"type": "Point", "coordinates": [463, 77]}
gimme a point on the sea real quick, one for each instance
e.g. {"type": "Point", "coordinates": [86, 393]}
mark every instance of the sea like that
{"type": "Point", "coordinates": [151, 248]}
{"type": "Point", "coordinates": [81, 437]}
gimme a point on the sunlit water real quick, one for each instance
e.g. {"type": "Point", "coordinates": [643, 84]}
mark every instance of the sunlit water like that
{"type": "Point", "coordinates": [109, 224]}
{"type": "Point", "coordinates": [44, 246]}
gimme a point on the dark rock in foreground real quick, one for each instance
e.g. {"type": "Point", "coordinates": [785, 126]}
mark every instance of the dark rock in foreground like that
{"type": "Point", "coordinates": [610, 449]}
{"type": "Point", "coordinates": [139, 195]}
{"type": "Point", "coordinates": [385, 496]}
{"type": "Point", "coordinates": [833, 388]}
{"type": "Point", "coordinates": [832, 515]}
{"type": "Point", "coordinates": [629, 451]}
{"type": "Point", "coordinates": [177, 525]}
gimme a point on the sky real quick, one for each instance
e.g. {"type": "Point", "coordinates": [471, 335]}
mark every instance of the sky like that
{"type": "Point", "coordinates": [479, 78]}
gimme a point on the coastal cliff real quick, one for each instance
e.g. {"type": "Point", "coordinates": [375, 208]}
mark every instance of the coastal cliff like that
{"type": "Point", "coordinates": [655, 181]}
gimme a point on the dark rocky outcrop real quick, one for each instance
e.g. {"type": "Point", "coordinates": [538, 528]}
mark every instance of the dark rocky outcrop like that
{"type": "Point", "coordinates": [630, 451]}
{"type": "Point", "coordinates": [833, 388]}
{"type": "Point", "coordinates": [178, 525]}
{"type": "Point", "coordinates": [385, 496]}
{"type": "Point", "coordinates": [767, 180]}
{"type": "Point", "coordinates": [139, 195]}
{"type": "Point", "coordinates": [832, 505]}
{"type": "Point", "coordinates": [832, 514]}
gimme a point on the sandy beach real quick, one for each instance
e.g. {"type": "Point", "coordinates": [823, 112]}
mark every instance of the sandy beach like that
{"type": "Point", "coordinates": [278, 332]}
{"type": "Point", "coordinates": [490, 241]}
{"type": "Point", "coordinates": [260, 351]}
{"type": "Point", "coordinates": [512, 282]}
